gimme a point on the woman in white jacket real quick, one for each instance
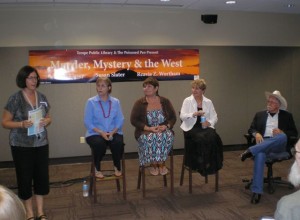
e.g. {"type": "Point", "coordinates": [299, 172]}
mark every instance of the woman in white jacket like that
{"type": "Point", "coordinates": [204, 148]}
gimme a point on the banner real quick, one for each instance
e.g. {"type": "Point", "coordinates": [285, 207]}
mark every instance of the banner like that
{"type": "Point", "coordinates": [85, 65]}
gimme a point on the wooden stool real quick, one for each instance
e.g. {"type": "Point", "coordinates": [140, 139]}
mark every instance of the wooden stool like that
{"type": "Point", "coordinates": [142, 176]}
{"type": "Point", "coordinates": [94, 179]}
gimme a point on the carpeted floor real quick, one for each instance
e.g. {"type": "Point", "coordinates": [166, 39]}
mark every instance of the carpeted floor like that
{"type": "Point", "coordinates": [65, 201]}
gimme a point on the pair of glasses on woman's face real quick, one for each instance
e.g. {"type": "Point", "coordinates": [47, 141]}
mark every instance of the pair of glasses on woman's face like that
{"type": "Point", "coordinates": [32, 78]}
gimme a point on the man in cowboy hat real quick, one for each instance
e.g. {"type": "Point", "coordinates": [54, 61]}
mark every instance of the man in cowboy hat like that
{"type": "Point", "coordinates": [271, 129]}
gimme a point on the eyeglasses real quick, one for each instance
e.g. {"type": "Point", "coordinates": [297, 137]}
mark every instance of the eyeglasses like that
{"type": "Point", "coordinates": [32, 77]}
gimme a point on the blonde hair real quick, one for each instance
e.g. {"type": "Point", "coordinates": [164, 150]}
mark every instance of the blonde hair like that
{"type": "Point", "coordinates": [11, 207]}
{"type": "Point", "coordinates": [199, 83]}
{"type": "Point", "coordinates": [106, 80]}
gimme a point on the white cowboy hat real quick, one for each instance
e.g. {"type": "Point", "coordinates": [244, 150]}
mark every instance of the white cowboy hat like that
{"type": "Point", "coordinates": [281, 99]}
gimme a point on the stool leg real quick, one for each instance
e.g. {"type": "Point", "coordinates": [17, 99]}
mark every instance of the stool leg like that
{"type": "Point", "coordinates": [190, 180]}
{"type": "Point", "coordinates": [139, 178]}
{"type": "Point", "coordinates": [217, 181]}
{"type": "Point", "coordinates": [182, 170]}
{"type": "Point", "coordinates": [92, 174]}
{"type": "Point", "coordinates": [124, 177]}
{"type": "Point", "coordinates": [118, 185]}
{"type": "Point", "coordinates": [93, 188]}
{"type": "Point", "coordinates": [143, 182]}
{"type": "Point", "coordinates": [172, 173]}
{"type": "Point", "coordinates": [165, 180]}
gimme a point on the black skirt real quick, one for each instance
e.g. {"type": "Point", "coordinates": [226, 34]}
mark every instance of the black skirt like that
{"type": "Point", "coordinates": [204, 150]}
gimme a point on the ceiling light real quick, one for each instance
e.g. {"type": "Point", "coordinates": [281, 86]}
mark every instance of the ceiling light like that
{"type": "Point", "coordinates": [230, 2]}
{"type": "Point", "coordinates": [164, 0]}
{"type": "Point", "coordinates": [290, 5]}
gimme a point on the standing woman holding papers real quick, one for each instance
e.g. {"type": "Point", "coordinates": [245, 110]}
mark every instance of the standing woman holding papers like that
{"type": "Point", "coordinates": [28, 140]}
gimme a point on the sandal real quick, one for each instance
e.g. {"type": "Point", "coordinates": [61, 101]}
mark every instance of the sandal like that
{"type": "Point", "coordinates": [118, 173]}
{"type": "Point", "coordinates": [163, 170]}
{"type": "Point", "coordinates": [41, 217]}
{"type": "Point", "coordinates": [153, 170]}
{"type": "Point", "coordinates": [99, 174]}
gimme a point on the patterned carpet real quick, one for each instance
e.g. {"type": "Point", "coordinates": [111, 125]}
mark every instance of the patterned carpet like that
{"type": "Point", "coordinates": [65, 201]}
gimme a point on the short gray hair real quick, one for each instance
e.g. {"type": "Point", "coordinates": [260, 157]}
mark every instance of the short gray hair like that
{"type": "Point", "coordinates": [11, 207]}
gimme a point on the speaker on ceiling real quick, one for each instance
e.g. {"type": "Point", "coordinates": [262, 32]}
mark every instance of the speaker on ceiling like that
{"type": "Point", "coordinates": [209, 19]}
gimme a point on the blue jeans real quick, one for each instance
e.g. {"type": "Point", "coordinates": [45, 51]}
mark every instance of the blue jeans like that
{"type": "Point", "coordinates": [260, 152]}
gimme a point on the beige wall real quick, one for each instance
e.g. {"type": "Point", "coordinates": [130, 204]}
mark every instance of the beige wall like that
{"type": "Point", "coordinates": [237, 71]}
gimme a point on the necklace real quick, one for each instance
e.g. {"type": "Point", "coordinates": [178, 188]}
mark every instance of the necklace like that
{"type": "Point", "coordinates": [28, 100]}
{"type": "Point", "coordinates": [103, 109]}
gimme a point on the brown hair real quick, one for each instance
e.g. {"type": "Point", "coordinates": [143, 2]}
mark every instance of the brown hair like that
{"type": "Point", "coordinates": [152, 81]}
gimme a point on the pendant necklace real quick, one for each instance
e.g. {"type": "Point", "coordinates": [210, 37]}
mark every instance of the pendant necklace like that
{"type": "Point", "coordinates": [108, 109]}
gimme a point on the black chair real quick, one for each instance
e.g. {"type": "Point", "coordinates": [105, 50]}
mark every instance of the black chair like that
{"type": "Point", "coordinates": [270, 161]}
{"type": "Point", "coordinates": [108, 176]}
{"type": "Point", "coordinates": [142, 176]}
{"type": "Point", "coordinates": [190, 171]}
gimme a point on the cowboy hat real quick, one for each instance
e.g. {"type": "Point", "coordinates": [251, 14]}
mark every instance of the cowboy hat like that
{"type": "Point", "coordinates": [281, 99]}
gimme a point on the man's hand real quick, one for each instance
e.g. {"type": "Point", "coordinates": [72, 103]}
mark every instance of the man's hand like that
{"type": "Point", "coordinates": [258, 138]}
{"type": "Point", "coordinates": [277, 131]}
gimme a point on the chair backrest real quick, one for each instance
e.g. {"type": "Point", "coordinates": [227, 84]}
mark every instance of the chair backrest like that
{"type": "Point", "coordinates": [291, 144]}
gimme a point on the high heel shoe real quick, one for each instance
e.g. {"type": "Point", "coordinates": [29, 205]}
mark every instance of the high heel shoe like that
{"type": "Point", "coordinates": [255, 198]}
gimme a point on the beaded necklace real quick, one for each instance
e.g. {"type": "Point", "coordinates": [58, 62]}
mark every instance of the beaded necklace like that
{"type": "Point", "coordinates": [108, 109]}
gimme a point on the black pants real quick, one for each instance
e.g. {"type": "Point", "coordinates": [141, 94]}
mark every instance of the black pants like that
{"type": "Point", "coordinates": [98, 144]}
{"type": "Point", "coordinates": [32, 166]}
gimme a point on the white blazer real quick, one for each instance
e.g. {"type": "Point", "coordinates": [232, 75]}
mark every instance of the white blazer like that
{"type": "Point", "coordinates": [189, 106]}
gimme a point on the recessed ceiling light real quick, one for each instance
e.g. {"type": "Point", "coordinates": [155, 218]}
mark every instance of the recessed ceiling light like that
{"type": "Point", "coordinates": [290, 5]}
{"type": "Point", "coordinates": [164, 0]}
{"type": "Point", "coordinates": [230, 2]}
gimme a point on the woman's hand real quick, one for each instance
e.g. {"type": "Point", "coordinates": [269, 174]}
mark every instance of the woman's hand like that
{"type": "Point", "coordinates": [198, 113]}
{"type": "Point", "coordinates": [206, 124]}
{"type": "Point", "coordinates": [110, 135]}
{"type": "Point", "coordinates": [154, 129]}
{"type": "Point", "coordinates": [105, 135]}
{"type": "Point", "coordinates": [27, 123]}
{"type": "Point", "coordinates": [162, 128]}
{"type": "Point", "coordinates": [43, 122]}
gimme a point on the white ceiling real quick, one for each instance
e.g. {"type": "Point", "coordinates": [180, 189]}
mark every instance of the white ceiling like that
{"type": "Point", "coordinates": [205, 6]}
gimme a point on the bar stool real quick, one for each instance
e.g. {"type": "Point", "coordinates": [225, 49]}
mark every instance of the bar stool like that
{"type": "Point", "coordinates": [108, 176]}
{"type": "Point", "coordinates": [142, 176]}
{"type": "Point", "coordinates": [184, 167]}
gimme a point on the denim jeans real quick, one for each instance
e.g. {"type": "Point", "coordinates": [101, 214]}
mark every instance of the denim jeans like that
{"type": "Point", "coordinates": [260, 152]}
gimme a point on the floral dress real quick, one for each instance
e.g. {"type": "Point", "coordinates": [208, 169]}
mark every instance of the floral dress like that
{"type": "Point", "coordinates": [155, 147]}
